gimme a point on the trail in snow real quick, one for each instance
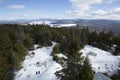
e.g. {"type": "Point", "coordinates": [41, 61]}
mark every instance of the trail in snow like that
{"type": "Point", "coordinates": [46, 69]}
{"type": "Point", "coordinates": [100, 76]}
{"type": "Point", "coordinates": [38, 60]}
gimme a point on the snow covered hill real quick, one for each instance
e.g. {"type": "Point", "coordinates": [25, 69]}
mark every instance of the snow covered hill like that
{"type": "Point", "coordinates": [101, 60]}
{"type": "Point", "coordinates": [38, 65]}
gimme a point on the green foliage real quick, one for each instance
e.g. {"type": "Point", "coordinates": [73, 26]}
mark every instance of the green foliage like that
{"type": "Point", "coordinates": [58, 59]}
{"type": "Point", "coordinates": [41, 35]}
{"type": "Point", "coordinates": [105, 40]}
{"type": "Point", "coordinates": [55, 50]}
{"type": "Point", "coordinates": [20, 52]}
{"type": "Point", "coordinates": [28, 43]}
{"type": "Point", "coordinates": [73, 68]}
{"type": "Point", "coordinates": [5, 73]}
{"type": "Point", "coordinates": [5, 43]}
{"type": "Point", "coordinates": [86, 72]}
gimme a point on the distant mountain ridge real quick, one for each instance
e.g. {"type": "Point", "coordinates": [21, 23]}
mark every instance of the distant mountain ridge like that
{"type": "Point", "coordinates": [98, 24]}
{"type": "Point", "coordinates": [93, 24]}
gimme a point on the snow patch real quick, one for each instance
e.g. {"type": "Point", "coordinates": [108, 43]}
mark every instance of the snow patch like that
{"type": "Point", "coordinates": [61, 56]}
{"type": "Point", "coordinates": [102, 61]}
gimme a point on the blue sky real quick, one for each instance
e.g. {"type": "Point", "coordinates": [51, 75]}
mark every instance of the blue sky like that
{"type": "Point", "coordinates": [60, 9]}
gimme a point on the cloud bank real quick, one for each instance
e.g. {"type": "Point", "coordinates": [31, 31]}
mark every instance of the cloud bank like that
{"type": "Point", "coordinates": [83, 9]}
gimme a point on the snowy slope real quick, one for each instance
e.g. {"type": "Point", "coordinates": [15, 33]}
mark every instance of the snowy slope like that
{"type": "Point", "coordinates": [39, 61]}
{"type": "Point", "coordinates": [101, 60]}
{"type": "Point", "coordinates": [100, 76]}
{"type": "Point", "coordinates": [38, 64]}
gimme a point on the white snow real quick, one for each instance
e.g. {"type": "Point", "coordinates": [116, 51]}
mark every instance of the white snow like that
{"type": "Point", "coordinates": [100, 76]}
{"type": "Point", "coordinates": [36, 46]}
{"type": "Point", "coordinates": [39, 61]}
{"type": "Point", "coordinates": [102, 61]}
{"type": "Point", "coordinates": [61, 56]}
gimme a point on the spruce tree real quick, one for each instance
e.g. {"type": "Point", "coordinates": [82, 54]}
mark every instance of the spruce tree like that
{"type": "Point", "coordinates": [71, 67]}
{"type": "Point", "coordinates": [86, 72]}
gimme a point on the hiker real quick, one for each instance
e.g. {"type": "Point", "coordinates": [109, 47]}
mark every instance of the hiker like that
{"type": "Point", "coordinates": [38, 72]}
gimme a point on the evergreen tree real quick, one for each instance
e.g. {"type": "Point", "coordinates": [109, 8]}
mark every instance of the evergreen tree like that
{"type": "Point", "coordinates": [55, 50]}
{"type": "Point", "coordinates": [86, 72]}
{"type": "Point", "coordinates": [5, 73]}
{"type": "Point", "coordinates": [71, 67]}
{"type": "Point", "coordinates": [28, 43]}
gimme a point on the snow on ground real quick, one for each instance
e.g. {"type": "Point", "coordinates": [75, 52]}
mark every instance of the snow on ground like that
{"type": "Point", "coordinates": [62, 56]}
{"type": "Point", "coordinates": [100, 76]}
{"type": "Point", "coordinates": [38, 65]}
{"type": "Point", "coordinates": [101, 60]}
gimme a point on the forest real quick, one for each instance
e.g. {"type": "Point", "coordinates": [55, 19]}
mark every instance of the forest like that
{"type": "Point", "coordinates": [17, 40]}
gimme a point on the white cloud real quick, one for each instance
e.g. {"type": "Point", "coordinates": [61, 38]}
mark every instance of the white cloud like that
{"type": "Point", "coordinates": [16, 7]}
{"type": "Point", "coordinates": [84, 9]}
{"type": "Point", "coordinates": [80, 6]}
{"type": "Point", "coordinates": [114, 11]}
{"type": "Point", "coordinates": [99, 12]}
{"type": "Point", "coordinates": [110, 1]}
{"type": "Point", "coordinates": [111, 14]}
{"type": "Point", "coordinates": [25, 16]}
{"type": "Point", "coordinates": [29, 14]}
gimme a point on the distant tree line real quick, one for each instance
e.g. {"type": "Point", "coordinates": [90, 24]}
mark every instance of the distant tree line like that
{"type": "Point", "coordinates": [106, 41]}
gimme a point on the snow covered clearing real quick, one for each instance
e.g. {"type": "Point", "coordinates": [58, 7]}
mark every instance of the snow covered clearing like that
{"type": "Point", "coordinates": [101, 60]}
{"type": "Point", "coordinates": [38, 65]}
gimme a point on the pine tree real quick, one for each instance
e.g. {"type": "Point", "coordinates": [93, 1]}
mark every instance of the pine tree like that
{"type": "Point", "coordinates": [55, 50]}
{"type": "Point", "coordinates": [86, 72]}
{"type": "Point", "coordinates": [5, 73]}
{"type": "Point", "coordinates": [71, 67]}
{"type": "Point", "coordinates": [28, 43]}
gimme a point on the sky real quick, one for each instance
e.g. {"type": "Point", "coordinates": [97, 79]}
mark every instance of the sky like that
{"type": "Point", "coordinates": [59, 9]}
